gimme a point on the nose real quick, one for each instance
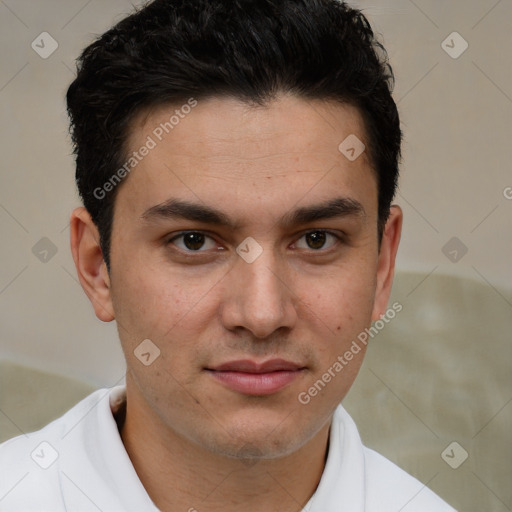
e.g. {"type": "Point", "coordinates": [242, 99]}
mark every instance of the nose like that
{"type": "Point", "coordinates": [259, 296]}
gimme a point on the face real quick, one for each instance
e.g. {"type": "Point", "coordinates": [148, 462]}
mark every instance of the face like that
{"type": "Point", "coordinates": [245, 248]}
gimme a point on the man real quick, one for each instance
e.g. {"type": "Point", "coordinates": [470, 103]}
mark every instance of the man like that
{"type": "Point", "coordinates": [237, 161]}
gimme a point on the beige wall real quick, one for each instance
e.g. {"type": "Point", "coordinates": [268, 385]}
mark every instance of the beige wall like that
{"type": "Point", "coordinates": [455, 113]}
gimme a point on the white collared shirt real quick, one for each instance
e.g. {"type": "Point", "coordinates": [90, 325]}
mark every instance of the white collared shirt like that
{"type": "Point", "coordinates": [78, 463]}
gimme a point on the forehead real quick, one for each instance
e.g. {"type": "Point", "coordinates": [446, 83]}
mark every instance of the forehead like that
{"type": "Point", "coordinates": [235, 153]}
{"type": "Point", "coordinates": [217, 122]}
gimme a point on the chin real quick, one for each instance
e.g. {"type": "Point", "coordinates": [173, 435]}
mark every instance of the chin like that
{"type": "Point", "coordinates": [253, 448]}
{"type": "Point", "coordinates": [270, 436]}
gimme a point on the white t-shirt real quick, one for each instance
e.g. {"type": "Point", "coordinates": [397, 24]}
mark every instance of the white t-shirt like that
{"type": "Point", "coordinates": [78, 463]}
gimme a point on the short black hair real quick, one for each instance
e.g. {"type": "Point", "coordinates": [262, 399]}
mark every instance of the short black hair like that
{"type": "Point", "coordinates": [172, 50]}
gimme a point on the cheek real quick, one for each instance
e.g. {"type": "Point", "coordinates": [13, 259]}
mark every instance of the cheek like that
{"type": "Point", "coordinates": [342, 300]}
{"type": "Point", "coordinates": [169, 307]}
{"type": "Point", "coordinates": [337, 317]}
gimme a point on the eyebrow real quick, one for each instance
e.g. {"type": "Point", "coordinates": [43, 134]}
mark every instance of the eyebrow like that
{"type": "Point", "coordinates": [179, 209]}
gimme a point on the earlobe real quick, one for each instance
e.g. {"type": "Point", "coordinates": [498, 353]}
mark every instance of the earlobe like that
{"type": "Point", "coordinates": [386, 261]}
{"type": "Point", "coordinates": [89, 263]}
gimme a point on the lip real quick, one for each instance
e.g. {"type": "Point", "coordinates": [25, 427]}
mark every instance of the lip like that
{"type": "Point", "coordinates": [256, 378]}
{"type": "Point", "coordinates": [249, 366]}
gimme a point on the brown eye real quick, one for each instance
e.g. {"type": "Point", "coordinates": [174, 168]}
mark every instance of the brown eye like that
{"type": "Point", "coordinates": [317, 240]}
{"type": "Point", "coordinates": [192, 241]}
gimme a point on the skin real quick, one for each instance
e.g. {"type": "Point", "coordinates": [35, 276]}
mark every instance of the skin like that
{"type": "Point", "coordinates": [299, 300]}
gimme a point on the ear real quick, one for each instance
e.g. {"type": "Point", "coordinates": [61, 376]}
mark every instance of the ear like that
{"type": "Point", "coordinates": [89, 263]}
{"type": "Point", "coordinates": [386, 261]}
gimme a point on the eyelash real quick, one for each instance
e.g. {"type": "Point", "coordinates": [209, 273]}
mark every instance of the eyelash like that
{"type": "Point", "coordinates": [193, 254]}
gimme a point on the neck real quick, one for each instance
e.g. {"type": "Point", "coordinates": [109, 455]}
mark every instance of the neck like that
{"type": "Point", "coordinates": [181, 475]}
